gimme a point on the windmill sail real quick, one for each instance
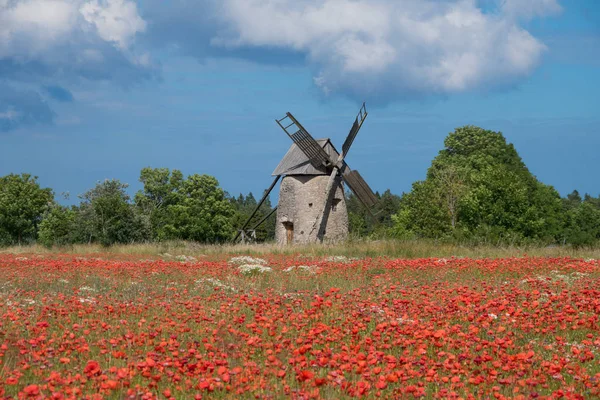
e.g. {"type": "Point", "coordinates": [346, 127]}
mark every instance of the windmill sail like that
{"type": "Point", "coordinates": [360, 118]}
{"type": "Point", "coordinates": [333, 165]}
{"type": "Point", "coordinates": [360, 188]}
{"type": "Point", "coordinates": [356, 183]}
{"type": "Point", "coordinates": [309, 146]}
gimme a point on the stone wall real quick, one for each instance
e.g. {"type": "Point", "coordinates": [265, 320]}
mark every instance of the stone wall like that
{"type": "Point", "coordinates": [301, 198]}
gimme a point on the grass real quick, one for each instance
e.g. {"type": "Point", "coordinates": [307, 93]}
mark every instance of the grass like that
{"type": "Point", "coordinates": [355, 248]}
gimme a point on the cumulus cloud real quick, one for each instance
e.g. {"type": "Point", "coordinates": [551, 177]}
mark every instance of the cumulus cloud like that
{"type": "Point", "coordinates": [365, 49]}
{"type": "Point", "coordinates": [116, 21]}
{"type": "Point", "coordinates": [30, 28]}
{"type": "Point", "coordinates": [392, 48]}
{"type": "Point", "coordinates": [45, 41]}
{"type": "Point", "coordinates": [50, 40]}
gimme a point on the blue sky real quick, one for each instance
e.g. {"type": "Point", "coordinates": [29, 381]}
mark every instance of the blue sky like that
{"type": "Point", "coordinates": [96, 89]}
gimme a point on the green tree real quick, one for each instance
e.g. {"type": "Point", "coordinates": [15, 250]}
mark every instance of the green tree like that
{"type": "Point", "coordinates": [58, 226]}
{"type": "Point", "coordinates": [22, 204]}
{"type": "Point", "coordinates": [377, 223]}
{"type": "Point", "coordinates": [203, 214]}
{"type": "Point", "coordinates": [478, 186]}
{"type": "Point", "coordinates": [573, 200]}
{"type": "Point", "coordinates": [582, 227]}
{"type": "Point", "coordinates": [359, 222]}
{"type": "Point", "coordinates": [161, 190]}
{"type": "Point", "coordinates": [108, 216]}
{"type": "Point", "coordinates": [244, 206]}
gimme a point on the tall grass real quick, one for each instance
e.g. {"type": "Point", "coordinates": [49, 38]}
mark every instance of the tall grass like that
{"type": "Point", "coordinates": [353, 248]}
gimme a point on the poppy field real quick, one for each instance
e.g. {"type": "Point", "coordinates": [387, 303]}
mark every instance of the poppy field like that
{"type": "Point", "coordinates": [119, 327]}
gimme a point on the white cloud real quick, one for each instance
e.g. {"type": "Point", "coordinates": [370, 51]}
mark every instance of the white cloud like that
{"type": "Point", "coordinates": [362, 48]}
{"type": "Point", "coordinates": [115, 20]}
{"type": "Point", "coordinates": [49, 43]}
{"type": "Point", "coordinates": [33, 28]}
{"type": "Point", "coordinates": [394, 47]}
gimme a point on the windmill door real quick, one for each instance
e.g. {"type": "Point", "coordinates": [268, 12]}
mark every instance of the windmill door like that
{"type": "Point", "coordinates": [289, 232]}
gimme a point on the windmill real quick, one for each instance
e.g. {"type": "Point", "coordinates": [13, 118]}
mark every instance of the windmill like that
{"type": "Point", "coordinates": [311, 205]}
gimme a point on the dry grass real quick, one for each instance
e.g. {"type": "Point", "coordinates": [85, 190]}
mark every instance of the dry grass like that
{"type": "Point", "coordinates": [362, 248]}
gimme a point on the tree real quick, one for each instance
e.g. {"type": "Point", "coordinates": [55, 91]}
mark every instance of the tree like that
{"type": "Point", "coordinates": [58, 226]}
{"type": "Point", "coordinates": [359, 221]}
{"type": "Point", "coordinates": [452, 187]}
{"type": "Point", "coordinates": [582, 227]}
{"type": "Point", "coordinates": [573, 200]}
{"type": "Point", "coordinates": [162, 189]}
{"type": "Point", "coordinates": [479, 186]}
{"type": "Point", "coordinates": [244, 206]}
{"type": "Point", "coordinates": [202, 212]}
{"type": "Point", "coordinates": [22, 204]}
{"type": "Point", "coordinates": [379, 222]}
{"type": "Point", "coordinates": [108, 216]}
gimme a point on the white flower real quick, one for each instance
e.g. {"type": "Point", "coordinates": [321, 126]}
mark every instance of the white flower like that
{"type": "Point", "coordinates": [311, 269]}
{"type": "Point", "coordinates": [87, 300]}
{"type": "Point", "coordinates": [87, 289]}
{"type": "Point", "coordinates": [247, 260]}
{"type": "Point", "coordinates": [184, 258]}
{"type": "Point", "coordinates": [248, 269]}
{"type": "Point", "coordinates": [214, 283]}
{"type": "Point", "coordinates": [493, 316]}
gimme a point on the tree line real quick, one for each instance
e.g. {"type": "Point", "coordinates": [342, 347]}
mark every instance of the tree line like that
{"type": "Point", "coordinates": [477, 190]}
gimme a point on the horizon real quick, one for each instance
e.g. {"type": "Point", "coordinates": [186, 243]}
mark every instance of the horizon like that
{"type": "Point", "coordinates": [99, 90]}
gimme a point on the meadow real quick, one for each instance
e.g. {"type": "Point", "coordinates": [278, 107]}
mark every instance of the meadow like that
{"type": "Point", "coordinates": [186, 321]}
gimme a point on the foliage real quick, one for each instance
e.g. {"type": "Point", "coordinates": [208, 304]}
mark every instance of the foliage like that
{"type": "Point", "coordinates": [22, 204]}
{"type": "Point", "coordinates": [582, 220]}
{"type": "Point", "coordinates": [379, 222]}
{"type": "Point", "coordinates": [478, 187]}
{"type": "Point", "coordinates": [58, 226]}
{"type": "Point", "coordinates": [194, 208]}
{"type": "Point", "coordinates": [203, 215]}
{"type": "Point", "coordinates": [477, 191]}
{"type": "Point", "coordinates": [244, 206]}
{"type": "Point", "coordinates": [162, 190]}
{"type": "Point", "coordinates": [106, 215]}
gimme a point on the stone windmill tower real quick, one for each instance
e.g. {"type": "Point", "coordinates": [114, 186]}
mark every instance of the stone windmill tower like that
{"type": "Point", "coordinates": [312, 207]}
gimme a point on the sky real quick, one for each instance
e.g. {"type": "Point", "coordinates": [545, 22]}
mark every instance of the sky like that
{"type": "Point", "coordinates": [98, 89]}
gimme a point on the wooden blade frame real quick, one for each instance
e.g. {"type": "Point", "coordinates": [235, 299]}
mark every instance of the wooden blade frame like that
{"type": "Point", "coordinates": [309, 146]}
{"type": "Point", "coordinates": [339, 166]}
{"type": "Point", "coordinates": [360, 118]}
{"type": "Point", "coordinates": [360, 188]}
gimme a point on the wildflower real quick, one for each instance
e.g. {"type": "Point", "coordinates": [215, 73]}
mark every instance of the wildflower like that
{"type": "Point", "coordinates": [249, 269]}
{"type": "Point", "coordinates": [213, 282]}
{"type": "Point", "coordinates": [184, 258]}
{"type": "Point", "coordinates": [311, 269]}
{"type": "Point", "coordinates": [241, 260]}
